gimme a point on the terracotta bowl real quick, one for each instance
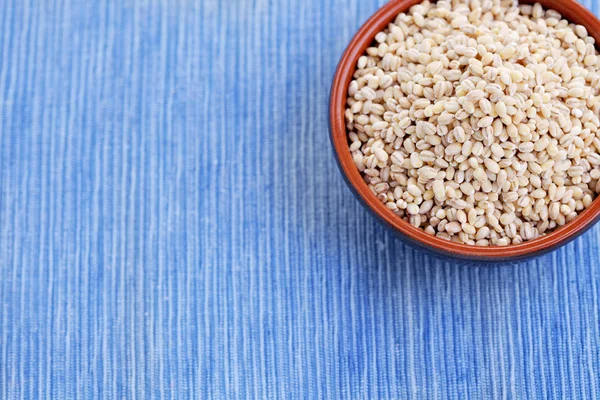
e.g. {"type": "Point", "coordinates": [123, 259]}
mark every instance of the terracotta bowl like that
{"type": "Point", "coordinates": [570, 10]}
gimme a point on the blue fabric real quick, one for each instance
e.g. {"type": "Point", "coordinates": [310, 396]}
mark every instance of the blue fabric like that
{"type": "Point", "coordinates": [173, 225]}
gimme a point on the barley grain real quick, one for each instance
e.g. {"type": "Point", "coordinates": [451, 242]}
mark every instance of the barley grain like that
{"type": "Point", "coordinates": [477, 121]}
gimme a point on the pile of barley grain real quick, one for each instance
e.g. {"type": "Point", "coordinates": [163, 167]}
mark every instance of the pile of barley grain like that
{"type": "Point", "coordinates": [478, 120]}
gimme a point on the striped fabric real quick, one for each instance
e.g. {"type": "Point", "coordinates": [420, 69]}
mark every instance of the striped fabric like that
{"type": "Point", "coordinates": [173, 225]}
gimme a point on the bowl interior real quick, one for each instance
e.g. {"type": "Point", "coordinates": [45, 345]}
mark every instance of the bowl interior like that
{"type": "Point", "coordinates": [572, 11]}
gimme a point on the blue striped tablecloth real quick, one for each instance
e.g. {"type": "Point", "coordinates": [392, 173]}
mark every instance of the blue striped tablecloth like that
{"type": "Point", "coordinates": [173, 225]}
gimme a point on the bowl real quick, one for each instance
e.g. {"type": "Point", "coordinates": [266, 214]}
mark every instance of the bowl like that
{"type": "Point", "coordinates": [572, 11]}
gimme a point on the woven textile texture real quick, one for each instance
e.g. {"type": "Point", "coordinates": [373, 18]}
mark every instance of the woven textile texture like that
{"type": "Point", "coordinates": [173, 225]}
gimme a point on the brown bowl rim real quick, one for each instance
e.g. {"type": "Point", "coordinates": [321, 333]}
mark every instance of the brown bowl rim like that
{"type": "Point", "coordinates": [572, 11]}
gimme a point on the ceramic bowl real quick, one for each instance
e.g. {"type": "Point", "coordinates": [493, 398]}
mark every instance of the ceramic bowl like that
{"type": "Point", "coordinates": [570, 10]}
